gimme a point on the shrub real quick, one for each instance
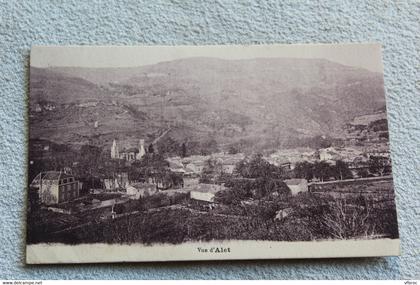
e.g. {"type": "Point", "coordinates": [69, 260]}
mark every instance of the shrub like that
{"type": "Point", "coordinates": [344, 221]}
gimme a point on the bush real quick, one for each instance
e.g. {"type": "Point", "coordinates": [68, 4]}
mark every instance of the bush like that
{"type": "Point", "coordinates": [119, 209]}
{"type": "Point", "coordinates": [344, 221]}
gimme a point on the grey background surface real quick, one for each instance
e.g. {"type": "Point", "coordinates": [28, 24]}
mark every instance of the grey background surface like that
{"type": "Point", "coordinates": [395, 24]}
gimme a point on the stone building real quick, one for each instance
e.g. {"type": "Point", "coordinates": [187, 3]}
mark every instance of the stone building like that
{"type": "Point", "coordinates": [130, 154]}
{"type": "Point", "coordinates": [55, 187]}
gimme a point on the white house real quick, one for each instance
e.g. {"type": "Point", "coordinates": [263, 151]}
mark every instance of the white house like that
{"type": "Point", "coordinates": [206, 192]}
{"type": "Point", "coordinates": [137, 190]}
{"type": "Point", "coordinates": [326, 154]}
{"type": "Point", "coordinates": [120, 181]}
{"type": "Point", "coordinates": [56, 187]}
{"type": "Point", "coordinates": [297, 186]}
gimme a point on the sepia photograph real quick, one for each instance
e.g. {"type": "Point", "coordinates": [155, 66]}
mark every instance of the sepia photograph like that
{"type": "Point", "coordinates": [166, 153]}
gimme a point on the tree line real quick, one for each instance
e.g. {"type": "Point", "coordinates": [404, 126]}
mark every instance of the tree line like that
{"type": "Point", "coordinates": [322, 170]}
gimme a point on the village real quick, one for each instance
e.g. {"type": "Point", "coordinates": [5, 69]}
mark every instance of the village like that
{"type": "Point", "coordinates": [190, 169]}
{"type": "Point", "coordinates": [140, 180]}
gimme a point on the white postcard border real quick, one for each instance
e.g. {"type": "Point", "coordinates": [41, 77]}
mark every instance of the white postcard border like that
{"type": "Point", "coordinates": [223, 250]}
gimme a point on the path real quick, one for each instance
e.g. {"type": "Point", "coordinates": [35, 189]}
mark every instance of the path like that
{"type": "Point", "coordinates": [161, 136]}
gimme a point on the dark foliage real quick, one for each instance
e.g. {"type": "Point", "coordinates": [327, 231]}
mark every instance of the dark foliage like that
{"type": "Point", "coordinates": [211, 172]}
{"type": "Point", "coordinates": [168, 146]}
{"type": "Point", "coordinates": [183, 150]}
{"type": "Point", "coordinates": [304, 170]}
{"type": "Point", "coordinates": [379, 125]}
{"type": "Point", "coordinates": [341, 170]}
{"type": "Point", "coordinates": [378, 165]}
{"type": "Point", "coordinates": [241, 189]}
{"type": "Point", "coordinates": [205, 147]}
{"type": "Point", "coordinates": [257, 167]}
{"type": "Point", "coordinates": [322, 170]}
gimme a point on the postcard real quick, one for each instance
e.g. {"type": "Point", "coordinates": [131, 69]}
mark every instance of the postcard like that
{"type": "Point", "coordinates": [171, 153]}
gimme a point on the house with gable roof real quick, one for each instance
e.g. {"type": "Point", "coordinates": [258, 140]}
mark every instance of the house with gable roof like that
{"type": "Point", "coordinates": [55, 187]}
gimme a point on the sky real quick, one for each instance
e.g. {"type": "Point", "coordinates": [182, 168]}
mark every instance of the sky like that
{"type": "Point", "coordinates": [366, 56]}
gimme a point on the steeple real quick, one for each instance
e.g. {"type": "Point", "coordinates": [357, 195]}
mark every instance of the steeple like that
{"type": "Point", "coordinates": [115, 154]}
{"type": "Point", "coordinates": [142, 151]}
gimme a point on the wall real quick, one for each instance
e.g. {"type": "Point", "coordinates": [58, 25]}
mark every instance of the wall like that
{"type": "Point", "coordinates": [202, 196]}
{"type": "Point", "coordinates": [393, 23]}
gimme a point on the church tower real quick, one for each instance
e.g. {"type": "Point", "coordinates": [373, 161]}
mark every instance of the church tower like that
{"type": "Point", "coordinates": [142, 151]}
{"type": "Point", "coordinates": [115, 154]}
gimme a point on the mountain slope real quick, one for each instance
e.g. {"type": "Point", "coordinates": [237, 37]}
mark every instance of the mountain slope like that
{"type": "Point", "coordinates": [260, 100]}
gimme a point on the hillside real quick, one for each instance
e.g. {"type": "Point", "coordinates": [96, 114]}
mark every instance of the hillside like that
{"type": "Point", "coordinates": [262, 102]}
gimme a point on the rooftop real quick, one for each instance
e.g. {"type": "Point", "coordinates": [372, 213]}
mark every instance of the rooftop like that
{"type": "Point", "coordinates": [133, 149]}
{"type": "Point", "coordinates": [208, 188]}
{"type": "Point", "coordinates": [49, 175]}
{"type": "Point", "coordinates": [54, 175]}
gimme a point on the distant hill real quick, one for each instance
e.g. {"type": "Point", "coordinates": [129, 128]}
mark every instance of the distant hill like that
{"type": "Point", "coordinates": [262, 102]}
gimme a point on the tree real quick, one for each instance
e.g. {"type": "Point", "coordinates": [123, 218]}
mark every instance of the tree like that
{"type": "Point", "coordinates": [257, 167]}
{"type": "Point", "coordinates": [169, 146]}
{"type": "Point", "coordinates": [193, 147]}
{"type": "Point", "coordinates": [342, 171]}
{"type": "Point", "coordinates": [304, 170]}
{"type": "Point", "coordinates": [377, 165]}
{"type": "Point", "coordinates": [168, 179]}
{"type": "Point", "coordinates": [233, 149]}
{"type": "Point", "coordinates": [208, 147]}
{"type": "Point", "coordinates": [239, 189]}
{"type": "Point", "coordinates": [322, 170]}
{"type": "Point", "coordinates": [183, 150]}
{"type": "Point", "coordinates": [211, 171]}
{"type": "Point", "coordinates": [344, 222]}
{"type": "Point", "coordinates": [119, 209]}
{"type": "Point", "coordinates": [363, 172]}
{"type": "Point", "coordinates": [151, 148]}
{"type": "Point", "coordinates": [263, 187]}
{"type": "Point", "coordinates": [150, 166]}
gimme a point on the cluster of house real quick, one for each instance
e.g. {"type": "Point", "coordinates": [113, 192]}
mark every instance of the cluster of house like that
{"type": "Point", "coordinates": [192, 166]}
{"type": "Point", "coordinates": [56, 187]}
{"type": "Point", "coordinates": [60, 186]}
{"type": "Point", "coordinates": [355, 157]}
{"type": "Point", "coordinates": [288, 158]}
